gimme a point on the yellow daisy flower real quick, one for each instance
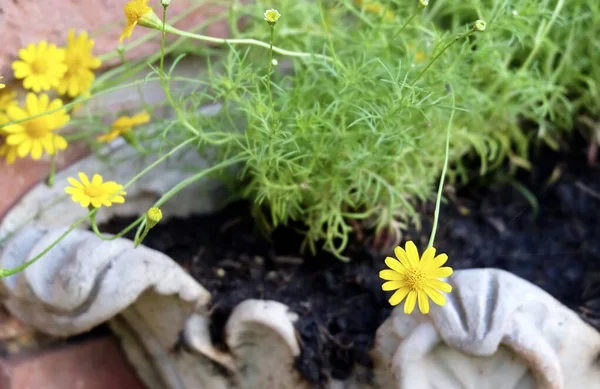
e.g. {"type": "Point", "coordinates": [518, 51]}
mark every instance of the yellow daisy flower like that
{"type": "Point", "coordinates": [95, 193]}
{"type": "Point", "coordinates": [138, 12]}
{"type": "Point", "coordinates": [124, 125]}
{"type": "Point", "coordinates": [416, 278]}
{"type": "Point", "coordinates": [34, 136]}
{"type": "Point", "coordinates": [80, 62]}
{"type": "Point", "coordinates": [8, 98]}
{"type": "Point", "coordinates": [41, 66]}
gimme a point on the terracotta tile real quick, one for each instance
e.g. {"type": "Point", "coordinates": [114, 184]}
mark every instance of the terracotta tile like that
{"type": "Point", "coordinates": [29, 21]}
{"type": "Point", "coordinates": [18, 178]}
{"type": "Point", "coordinates": [94, 364]}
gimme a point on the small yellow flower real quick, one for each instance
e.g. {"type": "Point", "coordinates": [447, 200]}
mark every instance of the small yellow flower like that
{"type": "Point", "coordinates": [80, 62]}
{"type": "Point", "coordinates": [416, 278]}
{"type": "Point", "coordinates": [123, 126]}
{"type": "Point", "coordinates": [272, 16]}
{"type": "Point", "coordinates": [138, 12]}
{"type": "Point", "coordinates": [41, 66]}
{"type": "Point", "coordinates": [95, 193]}
{"type": "Point", "coordinates": [8, 98]}
{"type": "Point", "coordinates": [1, 84]}
{"type": "Point", "coordinates": [34, 136]}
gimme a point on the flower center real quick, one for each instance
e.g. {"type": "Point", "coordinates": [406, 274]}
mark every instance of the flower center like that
{"type": "Point", "coordinates": [415, 279]}
{"type": "Point", "coordinates": [37, 128]}
{"type": "Point", "coordinates": [39, 66]}
{"type": "Point", "coordinates": [94, 190]}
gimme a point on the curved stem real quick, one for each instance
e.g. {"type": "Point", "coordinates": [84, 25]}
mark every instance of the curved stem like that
{"type": "Point", "coordinates": [25, 265]}
{"type": "Point", "coordinates": [438, 55]}
{"type": "Point", "coordinates": [438, 200]}
{"type": "Point", "coordinates": [248, 41]}
{"type": "Point", "coordinates": [407, 22]}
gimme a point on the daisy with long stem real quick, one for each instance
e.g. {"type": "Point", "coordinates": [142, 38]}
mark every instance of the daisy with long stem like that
{"type": "Point", "coordinates": [416, 278]}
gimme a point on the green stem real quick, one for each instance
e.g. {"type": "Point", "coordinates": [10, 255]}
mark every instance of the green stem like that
{"type": "Point", "coordinates": [52, 174]}
{"type": "Point", "coordinates": [439, 54]}
{"type": "Point", "coordinates": [124, 231]}
{"type": "Point", "coordinates": [438, 200]}
{"type": "Point", "coordinates": [166, 83]}
{"type": "Point", "coordinates": [162, 45]}
{"type": "Point", "coordinates": [270, 68]}
{"type": "Point", "coordinates": [158, 161]}
{"type": "Point", "coordinates": [407, 23]}
{"type": "Point", "coordinates": [249, 41]}
{"type": "Point", "coordinates": [177, 188]}
{"type": "Point", "coordinates": [25, 265]}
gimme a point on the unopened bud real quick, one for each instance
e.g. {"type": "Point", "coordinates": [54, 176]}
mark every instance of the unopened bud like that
{"type": "Point", "coordinates": [272, 16]}
{"type": "Point", "coordinates": [480, 25]}
{"type": "Point", "coordinates": [153, 217]}
{"type": "Point", "coordinates": [165, 3]}
{"type": "Point", "coordinates": [423, 3]}
{"type": "Point", "coordinates": [274, 62]}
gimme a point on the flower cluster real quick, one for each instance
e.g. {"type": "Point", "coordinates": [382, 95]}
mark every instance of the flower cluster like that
{"type": "Point", "coordinates": [44, 69]}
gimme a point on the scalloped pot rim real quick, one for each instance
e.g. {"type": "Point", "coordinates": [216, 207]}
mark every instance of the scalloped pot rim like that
{"type": "Point", "coordinates": [496, 327]}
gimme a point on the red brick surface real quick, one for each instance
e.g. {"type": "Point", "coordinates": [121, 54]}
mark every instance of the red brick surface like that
{"type": "Point", "coordinates": [28, 21]}
{"type": "Point", "coordinates": [18, 178]}
{"type": "Point", "coordinates": [93, 364]}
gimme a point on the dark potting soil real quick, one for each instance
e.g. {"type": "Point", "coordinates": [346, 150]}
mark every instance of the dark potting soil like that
{"type": "Point", "coordinates": [341, 304]}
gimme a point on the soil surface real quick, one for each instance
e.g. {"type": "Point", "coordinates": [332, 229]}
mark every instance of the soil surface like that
{"type": "Point", "coordinates": [553, 242]}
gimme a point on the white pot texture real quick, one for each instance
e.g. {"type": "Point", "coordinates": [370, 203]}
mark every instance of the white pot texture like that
{"type": "Point", "coordinates": [496, 332]}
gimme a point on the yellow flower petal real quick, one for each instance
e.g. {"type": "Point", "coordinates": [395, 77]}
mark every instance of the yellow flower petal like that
{"type": "Point", "coordinates": [24, 148]}
{"type": "Point", "coordinates": [96, 179]}
{"type": "Point", "coordinates": [392, 285]}
{"type": "Point", "coordinates": [403, 258]}
{"type": "Point", "coordinates": [427, 258]}
{"type": "Point", "coordinates": [84, 179]}
{"type": "Point", "coordinates": [118, 199]}
{"type": "Point", "coordinates": [423, 302]}
{"type": "Point", "coordinates": [412, 253]}
{"type": "Point", "coordinates": [411, 300]}
{"type": "Point", "coordinates": [440, 272]}
{"type": "Point", "coordinates": [36, 150]}
{"type": "Point", "coordinates": [140, 118]}
{"type": "Point", "coordinates": [440, 285]}
{"type": "Point", "coordinates": [439, 261]}
{"type": "Point", "coordinates": [72, 191]}
{"type": "Point", "coordinates": [436, 296]}
{"type": "Point", "coordinates": [398, 296]}
{"type": "Point", "coordinates": [390, 275]}
{"type": "Point", "coordinates": [395, 265]}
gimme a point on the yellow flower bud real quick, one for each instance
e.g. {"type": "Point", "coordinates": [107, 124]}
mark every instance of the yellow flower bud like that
{"type": "Point", "coordinates": [153, 217]}
{"type": "Point", "coordinates": [423, 3]}
{"type": "Point", "coordinates": [272, 16]}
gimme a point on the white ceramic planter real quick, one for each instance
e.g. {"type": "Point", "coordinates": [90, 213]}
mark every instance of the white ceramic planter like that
{"type": "Point", "coordinates": [496, 332]}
